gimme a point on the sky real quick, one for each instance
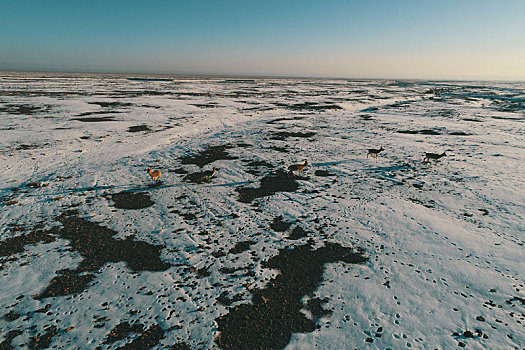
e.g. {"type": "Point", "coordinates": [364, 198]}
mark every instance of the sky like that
{"type": "Point", "coordinates": [423, 39]}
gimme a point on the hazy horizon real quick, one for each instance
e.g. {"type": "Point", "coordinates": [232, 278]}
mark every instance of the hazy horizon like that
{"type": "Point", "coordinates": [256, 76]}
{"type": "Point", "coordinates": [446, 40]}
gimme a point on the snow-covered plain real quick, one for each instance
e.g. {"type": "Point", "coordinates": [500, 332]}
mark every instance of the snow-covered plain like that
{"type": "Point", "coordinates": [444, 240]}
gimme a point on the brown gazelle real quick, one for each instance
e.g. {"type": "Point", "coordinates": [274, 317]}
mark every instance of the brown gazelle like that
{"type": "Point", "coordinates": [155, 175]}
{"type": "Point", "coordinates": [207, 175]}
{"type": "Point", "coordinates": [298, 167]}
{"type": "Point", "coordinates": [434, 156]}
{"type": "Point", "coordinates": [374, 152]}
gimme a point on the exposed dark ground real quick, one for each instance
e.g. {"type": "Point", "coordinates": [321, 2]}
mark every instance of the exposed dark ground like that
{"type": "Point", "coordinates": [274, 314]}
{"type": "Point", "coordinates": [132, 200]}
{"type": "Point", "coordinates": [209, 155]}
{"type": "Point", "coordinates": [278, 181]}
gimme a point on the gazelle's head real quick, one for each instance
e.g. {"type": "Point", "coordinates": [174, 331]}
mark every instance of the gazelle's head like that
{"type": "Point", "coordinates": [148, 170]}
{"type": "Point", "coordinates": [443, 154]}
{"type": "Point", "coordinates": [381, 149]}
{"type": "Point", "coordinates": [306, 163]}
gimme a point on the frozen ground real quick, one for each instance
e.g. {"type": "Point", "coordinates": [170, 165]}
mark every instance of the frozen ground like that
{"type": "Point", "coordinates": [359, 252]}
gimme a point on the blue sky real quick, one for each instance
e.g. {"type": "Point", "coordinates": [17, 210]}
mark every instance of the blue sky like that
{"type": "Point", "coordinates": [460, 39]}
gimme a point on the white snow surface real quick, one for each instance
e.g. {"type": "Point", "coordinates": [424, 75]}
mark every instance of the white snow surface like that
{"type": "Point", "coordinates": [444, 240]}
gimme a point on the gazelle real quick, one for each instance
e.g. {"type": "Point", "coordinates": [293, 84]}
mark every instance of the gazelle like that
{"type": "Point", "coordinates": [207, 175]}
{"type": "Point", "coordinates": [298, 167]}
{"type": "Point", "coordinates": [434, 156]}
{"type": "Point", "coordinates": [155, 175]}
{"type": "Point", "coordinates": [374, 152]}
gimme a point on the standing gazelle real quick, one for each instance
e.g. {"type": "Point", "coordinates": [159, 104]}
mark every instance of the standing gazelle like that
{"type": "Point", "coordinates": [155, 175]}
{"type": "Point", "coordinates": [374, 152]}
{"type": "Point", "coordinates": [298, 167]}
{"type": "Point", "coordinates": [433, 156]}
{"type": "Point", "coordinates": [207, 175]}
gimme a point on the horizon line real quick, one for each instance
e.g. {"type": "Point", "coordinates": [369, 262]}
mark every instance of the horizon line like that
{"type": "Point", "coordinates": [259, 76]}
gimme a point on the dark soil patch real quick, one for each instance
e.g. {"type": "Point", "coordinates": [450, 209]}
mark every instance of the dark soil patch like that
{"type": "Point", "coordinates": [97, 247]}
{"type": "Point", "coordinates": [203, 272]}
{"type": "Point", "coordinates": [259, 163]}
{"type": "Point", "coordinates": [297, 233]}
{"type": "Point", "coordinates": [42, 341]}
{"type": "Point", "coordinates": [11, 316]}
{"type": "Point", "coordinates": [6, 344]}
{"type": "Point", "coordinates": [27, 147]}
{"type": "Point", "coordinates": [369, 109]}
{"type": "Point", "coordinates": [96, 112]}
{"type": "Point", "coordinates": [432, 132]}
{"type": "Point", "coordinates": [283, 135]}
{"type": "Point", "coordinates": [67, 283]}
{"type": "Point", "coordinates": [430, 204]}
{"type": "Point", "coordinates": [20, 109]}
{"type": "Point", "coordinates": [188, 216]}
{"type": "Point", "coordinates": [209, 155]}
{"type": "Point", "coordinates": [244, 145]}
{"type": "Point", "coordinates": [506, 118]}
{"type": "Point", "coordinates": [121, 331]}
{"type": "Point", "coordinates": [276, 120]}
{"type": "Point", "coordinates": [130, 200]}
{"type": "Point", "coordinates": [257, 167]}
{"type": "Point", "coordinates": [421, 132]}
{"type": "Point", "coordinates": [279, 181]}
{"type": "Point", "coordinates": [310, 106]}
{"type": "Point", "coordinates": [274, 314]}
{"type": "Point", "coordinates": [205, 105]}
{"type": "Point", "coordinates": [16, 245]}
{"type": "Point", "coordinates": [112, 104]}
{"type": "Point", "coordinates": [95, 119]}
{"type": "Point", "coordinates": [323, 173]}
{"type": "Point", "coordinates": [241, 247]}
{"type": "Point", "coordinates": [459, 133]}
{"type": "Point", "coordinates": [398, 105]}
{"type": "Point", "coordinates": [180, 171]}
{"type": "Point", "coordinates": [279, 225]}
{"type": "Point", "coordinates": [137, 128]}
{"type": "Point", "coordinates": [147, 340]}
{"type": "Point", "coordinates": [180, 346]}
{"type": "Point", "coordinates": [447, 113]}
{"type": "Point", "coordinates": [484, 211]}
